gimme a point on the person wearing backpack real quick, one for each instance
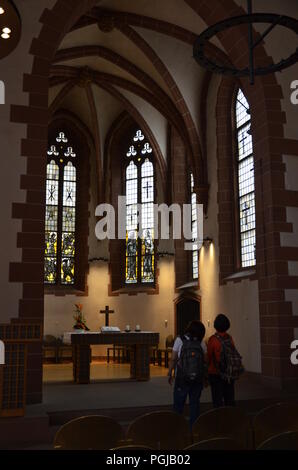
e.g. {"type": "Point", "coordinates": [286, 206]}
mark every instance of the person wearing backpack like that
{"type": "Point", "coordinates": [190, 365]}
{"type": "Point", "coordinates": [225, 364]}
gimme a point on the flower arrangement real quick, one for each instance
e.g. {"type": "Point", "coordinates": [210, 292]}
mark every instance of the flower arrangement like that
{"type": "Point", "coordinates": [79, 318]}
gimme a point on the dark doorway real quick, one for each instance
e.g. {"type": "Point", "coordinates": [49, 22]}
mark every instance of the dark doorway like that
{"type": "Point", "coordinates": [186, 311]}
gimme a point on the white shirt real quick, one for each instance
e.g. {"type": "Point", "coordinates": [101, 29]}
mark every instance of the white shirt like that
{"type": "Point", "coordinates": [179, 343]}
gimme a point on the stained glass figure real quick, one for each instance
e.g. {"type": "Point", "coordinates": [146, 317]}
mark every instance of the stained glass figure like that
{"type": "Point", "coordinates": [50, 269]}
{"type": "Point", "coordinates": [140, 252]}
{"type": "Point", "coordinates": [147, 256]}
{"type": "Point", "coordinates": [246, 182]}
{"type": "Point", "coordinates": [60, 219]}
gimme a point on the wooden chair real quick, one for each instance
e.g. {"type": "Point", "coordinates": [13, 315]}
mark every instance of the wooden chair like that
{"type": "Point", "coordinates": [274, 420]}
{"type": "Point", "coordinates": [165, 352]}
{"type": "Point", "coordinates": [160, 430]}
{"type": "Point", "coordinates": [64, 351]}
{"type": "Point", "coordinates": [49, 348]}
{"type": "Point", "coordinates": [284, 441]}
{"type": "Point", "coordinates": [121, 354]}
{"type": "Point", "coordinates": [227, 422]}
{"type": "Point", "coordinates": [89, 433]}
{"type": "Point", "coordinates": [153, 354]}
{"type": "Point", "coordinates": [221, 443]}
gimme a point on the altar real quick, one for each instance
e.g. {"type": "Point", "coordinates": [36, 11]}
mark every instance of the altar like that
{"type": "Point", "coordinates": [138, 342]}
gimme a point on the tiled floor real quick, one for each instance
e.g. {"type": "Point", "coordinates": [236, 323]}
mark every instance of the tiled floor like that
{"type": "Point", "coordinates": [54, 373]}
{"type": "Point", "coordinates": [111, 389]}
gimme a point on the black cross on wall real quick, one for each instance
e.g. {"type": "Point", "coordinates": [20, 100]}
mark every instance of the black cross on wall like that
{"type": "Point", "coordinates": [107, 313]}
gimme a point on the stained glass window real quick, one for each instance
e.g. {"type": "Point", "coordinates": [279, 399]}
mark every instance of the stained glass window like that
{"type": "Point", "coordinates": [194, 229]}
{"type": "Point", "coordinates": [246, 182]}
{"type": "Point", "coordinates": [60, 223]}
{"type": "Point", "coordinates": [140, 252]}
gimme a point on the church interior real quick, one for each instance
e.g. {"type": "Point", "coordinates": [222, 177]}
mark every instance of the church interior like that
{"type": "Point", "coordinates": [109, 99]}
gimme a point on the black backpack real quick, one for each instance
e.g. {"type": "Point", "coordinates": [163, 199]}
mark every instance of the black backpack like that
{"type": "Point", "coordinates": [191, 364]}
{"type": "Point", "coordinates": [230, 366]}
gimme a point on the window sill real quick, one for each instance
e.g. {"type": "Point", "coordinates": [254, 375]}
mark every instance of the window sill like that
{"type": "Point", "coordinates": [189, 285]}
{"type": "Point", "coordinates": [248, 273]}
{"type": "Point", "coordinates": [60, 291]}
{"type": "Point", "coordinates": [134, 290]}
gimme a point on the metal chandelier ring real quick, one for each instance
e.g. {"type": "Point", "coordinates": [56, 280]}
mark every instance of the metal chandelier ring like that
{"type": "Point", "coordinates": [273, 19]}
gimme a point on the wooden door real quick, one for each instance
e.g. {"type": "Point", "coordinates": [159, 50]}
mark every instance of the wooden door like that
{"type": "Point", "coordinates": [186, 311]}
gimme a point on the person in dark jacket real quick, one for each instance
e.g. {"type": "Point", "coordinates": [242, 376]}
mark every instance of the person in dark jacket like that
{"type": "Point", "coordinates": [195, 332]}
{"type": "Point", "coordinates": [223, 392]}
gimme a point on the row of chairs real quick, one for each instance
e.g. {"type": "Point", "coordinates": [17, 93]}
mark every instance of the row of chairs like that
{"type": "Point", "coordinates": [224, 428]}
{"type": "Point", "coordinates": [54, 349]}
{"type": "Point", "coordinates": [284, 441]}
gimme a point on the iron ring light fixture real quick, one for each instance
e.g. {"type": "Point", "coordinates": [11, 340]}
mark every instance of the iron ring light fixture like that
{"type": "Point", "coordinates": [273, 19]}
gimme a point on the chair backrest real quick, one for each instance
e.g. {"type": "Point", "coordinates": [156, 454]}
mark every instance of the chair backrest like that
{"type": "Point", "coordinates": [226, 422]}
{"type": "Point", "coordinates": [164, 430]}
{"type": "Point", "coordinates": [274, 420]}
{"type": "Point", "coordinates": [170, 341]}
{"type": "Point", "coordinates": [220, 443]}
{"type": "Point", "coordinates": [284, 441]}
{"type": "Point", "coordinates": [89, 433]}
{"type": "Point", "coordinates": [49, 340]}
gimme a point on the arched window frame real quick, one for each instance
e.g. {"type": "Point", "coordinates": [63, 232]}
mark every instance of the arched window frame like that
{"type": "Point", "coordinates": [138, 154]}
{"type": "Point", "coordinates": [81, 141]}
{"type": "Point", "coordinates": [244, 184]}
{"type": "Point", "coordinates": [61, 213]}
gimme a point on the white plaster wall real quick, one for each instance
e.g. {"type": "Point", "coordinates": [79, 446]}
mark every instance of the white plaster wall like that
{"type": "Point", "coordinates": [108, 109]}
{"type": "Point", "coordinates": [172, 11]}
{"type": "Point", "coordinates": [76, 102]}
{"type": "Point", "coordinates": [117, 42]}
{"type": "Point", "coordinates": [54, 91]}
{"type": "Point", "coordinates": [178, 58]}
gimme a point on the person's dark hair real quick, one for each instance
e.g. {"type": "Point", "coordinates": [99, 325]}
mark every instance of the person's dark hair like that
{"type": "Point", "coordinates": [222, 323]}
{"type": "Point", "coordinates": [195, 329]}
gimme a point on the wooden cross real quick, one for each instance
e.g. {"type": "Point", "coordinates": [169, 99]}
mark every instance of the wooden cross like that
{"type": "Point", "coordinates": [107, 312]}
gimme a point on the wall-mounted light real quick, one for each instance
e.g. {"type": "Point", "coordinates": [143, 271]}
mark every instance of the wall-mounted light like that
{"type": "Point", "coordinates": [2, 11]}
{"type": "Point", "coordinates": [207, 242]}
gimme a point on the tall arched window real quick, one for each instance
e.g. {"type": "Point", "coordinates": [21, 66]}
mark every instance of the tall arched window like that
{"type": "Point", "coordinates": [246, 182]}
{"type": "Point", "coordinates": [139, 176]}
{"type": "Point", "coordinates": [194, 229]}
{"type": "Point", "coordinates": [60, 221]}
